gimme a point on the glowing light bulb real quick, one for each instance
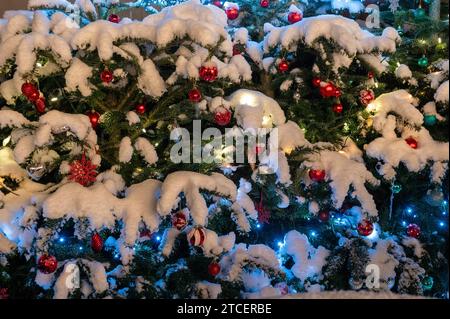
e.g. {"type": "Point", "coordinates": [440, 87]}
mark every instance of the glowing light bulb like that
{"type": "Point", "coordinates": [6, 141]}
{"type": "Point", "coordinates": [280, 244]}
{"type": "Point", "coordinates": [158, 238]}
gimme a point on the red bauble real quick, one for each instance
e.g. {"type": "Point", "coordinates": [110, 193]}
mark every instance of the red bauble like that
{"type": "Point", "coordinates": [107, 76]}
{"type": "Point", "coordinates": [337, 92]}
{"type": "Point", "coordinates": [317, 175]}
{"type": "Point", "coordinates": [97, 243]}
{"type": "Point", "coordinates": [324, 216]}
{"type": "Point", "coordinates": [370, 75]}
{"type": "Point", "coordinates": [30, 91]}
{"type": "Point", "coordinates": [47, 264]}
{"type": "Point", "coordinates": [195, 95]}
{"type": "Point", "coordinates": [40, 105]}
{"type": "Point", "coordinates": [366, 96]}
{"type": "Point", "coordinates": [365, 227]}
{"type": "Point", "coordinates": [413, 230]}
{"type": "Point", "coordinates": [4, 294]}
{"type": "Point", "coordinates": [196, 236]}
{"type": "Point", "coordinates": [208, 73]}
{"type": "Point", "coordinates": [214, 269]}
{"type": "Point", "coordinates": [222, 116]}
{"type": "Point", "coordinates": [141, 108]}
{"type": "Point", "coordinates": [179, 220]}
{"type": "Point", "coordinates": [264, 3]}
{"type": "Point", "coordinates": [327, 90]}
{"type": "Point", "coordinates": [294, 17]}
{"type": "Point", "coordinates": [217, 3]}
{"type": "Point", "coordinates": [236, 50]}
{"type": "Point", "coordinates": [232, 13]}
{"type": "Point", "coordinates": [316, 81]}
{"type": "Point", "coordinates": [114, 18]}
{"type": "Point", "coordinates": [283, 66]}
{"type": "Point", "coordinates": [83, 171]}
{"type": "Point", "coordinates": [412, 142]}
{"type": "Point", "coordinates": [94, 118]}
{"type": "Point", "coordinates": [338, 108]}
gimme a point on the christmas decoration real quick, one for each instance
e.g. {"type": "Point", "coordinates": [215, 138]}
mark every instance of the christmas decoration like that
{"type": "Point", "coordinates": [208, 73]}
{"type": "Point", "coordinates": [316, 81]}
{"type": "Point", "coordinates": [40, 105]}
{"type": "Point", "coordinates": [94, 118]}
{"type": "Point", "coordinates": [434, 197]}
{"type": "Point", "coordinates": [4, 294]}
{"type": "Point", "coordinates": [294, 17]}
{"type": "Point", "coordinates": [429, 119]}
{"type": "Point", "coordinates": [264, 3]}
{"type": "Point", "coordinates": [413, 230]}
{"type": "Point", "coordinates": [419, 13]}
{"type": "Point", "coordinates": [195, 95]}
{"type": "Point", "coordinates": [365, 227]}
{"type": "Point", "coordinates": [317, 175]}
{"type": "Point", "coordinates": [412, 142]}
{"type": "Point", "coordinates": [396, 188]}
{"type": "Point", "coordinates": [106, 76]}
{"type": "Point", "coordinates": [30, 91]}
{"type": "Point", "coordinates": [236, 50]}
{"type": "Point", "coordinates": [179, 220]}
{"type": "Point", "coordinates": [47, 264]}
{"type": "Point", "coordinates": [366, 96]}
{"type": "Point", "coordinates": [214, 269]}
{"type": "Point", "coordinates": [83, 171]}
{"type": "Point", "coordinates": [114, 18]}
{"type": "Point", "coordinates": [427, 283]}
{"type": "Point", "coordinates": [196, 236]}
{"type": "Point", "coordinates": [324, 216]}
{"type": "Point", "coordinates": [96, 243]}
{"type": "Point", "coordinates": [370, 75]}
{"type": "Point", "coordinates": [263, 212]}
{"type": "Point", "coordinates": [141, 109]}
{"type": "Point", "coordinates": [232, 12]}
{"type": "Point", "coordinates": [217, 3]}
{"type": "Point", "coordinates": [327, 90]}
{"type": "Point", "coordinates": [222, 116]}
{"type": "Point", "coordinates": [283, 66]}
{"type": "Point", "coordinates": [338, 108]}
{"type": "Point", "coordinates": [423, 62]}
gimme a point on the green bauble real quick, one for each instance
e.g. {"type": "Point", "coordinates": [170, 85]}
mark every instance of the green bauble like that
{"type": "Point", "coordinates": [429, 119]}
{"type": "Point", "coordinates": [427, 283]}
{"type": "Point", "coordinates": [423, 62]}
{"type": "Point", "coordinates": [396, 188]}
{"type": "Point", "coordinates": [419, 13]}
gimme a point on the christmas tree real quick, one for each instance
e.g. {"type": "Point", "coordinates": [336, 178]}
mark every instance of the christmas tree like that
{"type": "Point", "coordinates": [223, 150]}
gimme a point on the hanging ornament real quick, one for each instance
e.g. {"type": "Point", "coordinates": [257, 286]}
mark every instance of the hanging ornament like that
{"type": "Point", "coordinates": [327, 90]}
{"type": "Point", "coordinates": [263, 212]}
{"type": "Point", "coordinates": [196, 236]}
{"type": "Point", "coordinates": [83, 171]}
{"type": "Point", "coordinates": [413, 230]}
{"type": "Point", "coordinates": [40, 105]}
{"type": "Point", "coordinates": [195, 95]}
{"type": "Point", "coordinates": [419, 13]}
{"type": "Point", "coordinates": [396, 188]}
{"type": "Point", "coordinates": [316, 81]}
{"type": "Point", "coordinates": [370, 74]}
{"type": "Point", "coordinates": [434, 197]}
{"type": "Point", "coordinates": [208, 72]}
{"type": "Point", "coordinates": [106, 76]}
{"type": "Point", "coordinates": [4, 294]}
{"type": "Point", "coordinates": [283, 288]}
{"type": "Point", "coordinates": [427, 283]}
{"type": "Point", "coordinates": [429, 119]}
{"type": "Point", "coordinates": [365, 227]}
{"type": "Point", "coordinates": [317, 175]}
{"type": "Point", "coordinates": [141, 109]}
{"type": "Point", "coordinates": [222, 116]}
{"type": "Point", "coordinates": [236, 50]}
{"type": "Point", "coordinates": [338, 108]}
{"type": "Point", "coordinates": [283, 66]}
{"type": "Point", "coordinates": [30, 91]}
{"type": "Point", "coordinates": [214, 269]}
{"type": "Point", "coordinates": [324, 216]}
{"type": "Point", "coordinates": [114, 18]}
{"type": "Point", "coordinates": [217, 3]}
{"type": "Point", "coordinates": [264, 3]}
{"type": "Point", "coordinates": [96, 243]}
{"type": "Point", "coordinates": [94, 118]}
{"type": "Point", "coordinates": [423, 62]}
{"type": "Point", "coordinates": [179, 220]}
{"type": "Point", "coordinates": [412, 142]}
{"type": "Point", "coordinates": [366, 96]}
{"type": "Point", "coordinates": [232, 12]}
{"type": "Point", "coordinates": [47, 264]}
{"type": "Point", "coordinates": [295, 16]}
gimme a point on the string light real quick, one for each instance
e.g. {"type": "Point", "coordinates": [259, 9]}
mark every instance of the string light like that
{"type": "Point", "coordinates": [158, 238]}
{"type": "Point", "coordinates": [258, 225]}
{"type": "Point", "coordinates": [62, 239]}
{"type": "Point", "coordinates": [280, 244]}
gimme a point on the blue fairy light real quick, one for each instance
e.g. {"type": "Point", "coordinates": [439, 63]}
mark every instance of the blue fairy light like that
{"type": "Point", "coordinates": [62, 239]}
{"type": "Point", "coordinates": [313, 233]}
{"type": "Point", "coordinates": [158, 238]}
{"type": "Point", "coordinates": [442, 224]}
{"type": "Point", "coordinates": [258, 225]}
{"type": "Point", "coordinates": [280, 244]}
{"type": "Point", "coordinates": [409, 210]}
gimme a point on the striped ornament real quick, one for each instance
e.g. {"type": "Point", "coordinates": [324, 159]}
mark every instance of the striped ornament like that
{"type": "Point", "coordinates": [196, 236]}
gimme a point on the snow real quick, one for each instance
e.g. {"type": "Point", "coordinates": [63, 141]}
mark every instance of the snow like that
{"type": "Point", "coordinates": [403, 72]}
{"type": "Point", "coordinates": [125, 150]}
{"type": "Point", "coordinates": [77, 78]}
{"type": "Point", "coordinates": [441, 94]}
{"type": "Point", "coordinates": [6, 246]}
{"type": "Point", "coordinates": [147, 150]}
{"type": "Point", "coordinates": [10, 118]}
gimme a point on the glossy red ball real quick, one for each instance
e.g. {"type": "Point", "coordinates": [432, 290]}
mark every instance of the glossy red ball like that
{"type": "Point", "coordinates": [97, 243]}
{"type": "Point", "coordinates": [47, 264]}
{"type": "Point", "coordinates": [294, 17]}
{"type": "Point", "coordinates": [317, 175]}
{"type": "Point", "coordinates": [106, 76]}
{"type": "Point", "coordinates": [94, 118]}
{"type": "Point", "coordinates": [283, 66]}
{"type": "Point", "coordinates": [338, 108]}
{"type": "Point", "coordinates": [222, 116]}
{"type": "Point", "coordinates": [413, 230]}
{"type": "Point", "coordinates": [412, 142]}
{"type": "Point", "coordinates": [324, 216]}
{"type": "Point", "coordinates": [195, 95]}
{"type": "Point", "coordinates": [365, 227]}
{"type": "Point", "coordinates": [232, 13]}
{"type": "Point", "coordinates": [141, 109]}
{"type": "Point", "coordinates": [264, 3]}
{"type": "Point", "coordinates": [40, 105]}
{"type": "Point", "coordinates": [114, 18]}
{"type": "Point", "coordinates": [214, 269]}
